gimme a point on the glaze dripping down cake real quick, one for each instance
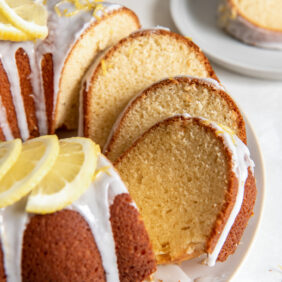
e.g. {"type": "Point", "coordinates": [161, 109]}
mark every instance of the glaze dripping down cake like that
{"type": "Point", "coordinates": [98, 237]}
{"type": "Point", "coordinates": [40, 80]}
{"type": "Point", "coordinates": [194, 178]}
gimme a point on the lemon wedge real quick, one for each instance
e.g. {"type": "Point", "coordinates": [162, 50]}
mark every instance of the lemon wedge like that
{"type": "Point", "coordinates": [37, 157]}
{"type": "Point", "coordinates": [68, 180]}
{"type": "Point", "coordinates": [27, 16]}
{"type": "Point", "coordinates": [10, 32]}
{"type": "Point", "coordinates": [9, 153]}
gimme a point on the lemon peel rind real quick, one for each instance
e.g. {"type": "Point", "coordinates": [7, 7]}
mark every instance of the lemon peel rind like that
{"type": "Point", "coordinates": [14, 148]}
{"type": "Point", "coordinates": [21, 188]}
{"type": "Point", "coordinates": [40, 204]}
{"type": "Point", "coordinates": [33, 29]}
{"type": "Point", "coordinates": [9, 32]}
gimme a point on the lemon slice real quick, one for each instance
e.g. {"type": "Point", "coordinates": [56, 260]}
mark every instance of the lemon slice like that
{"type": "Point", "coordinates": [37, 157]}
{"type": "Point", "coordinates": [26, 15]}
{"type": "Point", "coordinates": [9, 153]}
{"type": "Point", "coordinates": [69, 178]}
{"type": "Point", "coordinates": [10, 32]}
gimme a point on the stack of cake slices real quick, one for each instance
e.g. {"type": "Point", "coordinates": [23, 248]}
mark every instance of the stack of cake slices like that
{"type": "Point", "coordinates": [157, 109]}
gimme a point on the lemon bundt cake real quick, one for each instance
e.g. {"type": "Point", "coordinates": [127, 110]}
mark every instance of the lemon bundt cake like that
{"type": "Point", "coordinates": [194, 185]}
{"type": "Point", "coordinates": [128, 67]}
{"type": "Point", "coordinates": [255, 22]}
{"type": "Point", "coordinates": [98, 237]}
{"type": "Point", "coordinates": [40, 80]}
{"type": "Point", "coordinates": [178, 95]}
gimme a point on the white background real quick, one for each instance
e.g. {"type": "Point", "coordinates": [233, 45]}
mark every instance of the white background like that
{"type": "Point", "coordinates": [261, 101]}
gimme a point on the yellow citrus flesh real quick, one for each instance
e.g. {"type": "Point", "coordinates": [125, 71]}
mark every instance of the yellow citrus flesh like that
{"type": "Point", "coordinates": [27, 16]}
{"type": "Point", "coordinates": [10, 32]}
{"type": "Point", "coordinates": [37, 157]}
{"type": "Point", "coordinates": [9, 153]}
{"type": "Point", "coordinates": [68, 180]}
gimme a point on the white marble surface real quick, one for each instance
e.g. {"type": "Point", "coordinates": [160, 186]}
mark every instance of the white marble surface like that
{"type": "Point", "coordinates": [261, 101]}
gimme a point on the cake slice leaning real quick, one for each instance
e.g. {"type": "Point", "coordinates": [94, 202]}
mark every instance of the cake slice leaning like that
{"type": "Point", "coordinates": [178, 95]}
{"type": "Point", "coordinates": [86, 34]}
{"type": "Point", "coordinates": [131, 65]}
{"type": "Point", "coordinates": [193, 182]}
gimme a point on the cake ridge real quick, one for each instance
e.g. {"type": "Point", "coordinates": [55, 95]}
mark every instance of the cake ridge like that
{"type": "Point", "coordinates": [11, 238]}
{"type": "Point", "coordinates": [103, 190]}
{"type": "Point", "coordinates": [8, 53]}
{"type": "Point", "coordinates": [4, 126]}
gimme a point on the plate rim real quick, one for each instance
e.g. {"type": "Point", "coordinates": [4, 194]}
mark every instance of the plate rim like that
{"type": "Point", "coordinates": [257, 227]}
{"type": "Point", "coordinates": [250, 131]}
{"type": "Point", "coordinates": [265, 73]}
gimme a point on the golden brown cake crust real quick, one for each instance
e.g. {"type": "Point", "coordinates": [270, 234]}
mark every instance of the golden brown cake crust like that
{"type": "Point", "coordinates": [60, 247]}
{"type": "Point", "coordinates": [24, 71]}
{"type": "Point", "coordinates": [136, 260]}
{"type": "Point", "coordinates": [48, 88]}
{"type": "Point", "coordinates": [123, 41]}
{"type": "Point", "coordinates": [246, 210]}
{"type": "Point", "coordinates": [108, 15]}
{"type": "Point", "coordinates": [85, 119]}
{"type": "Point", "coordinates": [7, 102]}
{"type": "Point", "coordinates": [2, 137]}
{"type": "Point", "coordinates": [3, 277]}
{"type": "Point", "coordinates": [233, 107]}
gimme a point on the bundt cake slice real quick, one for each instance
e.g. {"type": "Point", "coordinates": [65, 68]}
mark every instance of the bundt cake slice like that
{"type": "Point", "coordinates": [84, 37]}
{"type": "Point", "coordinates": [99, 237]}
{"type": "Point", "coordinates": [178, 95]}
{"type": "Point", "coordinates": [128, 67]}
{"type": "Point", "coordinates": [194, 185]}
{"type": "Point", "coordinates": [255, 22]}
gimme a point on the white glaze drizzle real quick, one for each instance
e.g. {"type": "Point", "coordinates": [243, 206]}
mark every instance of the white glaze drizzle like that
{"type": "Point", "coordinates": [59, 42]}
{"type": "Point", "coordinates": [12, 232]}
{"type": "Point", "coordinates": [241, 28]}
{"type": "Point", "coordinates": [93, 206]}
{"type": "Point", "coordinates": [63, 34]}
{"type": "Point", "coordinates": [7, 54]}
{"type": "Point", "coordinates": [170, 273]}
{"type": "Point", "coordinates": [208, 81]}
{"type": "Point", "coordinates": [4, 122]}
{"type": "Point", "coordinates": [241, 161]}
